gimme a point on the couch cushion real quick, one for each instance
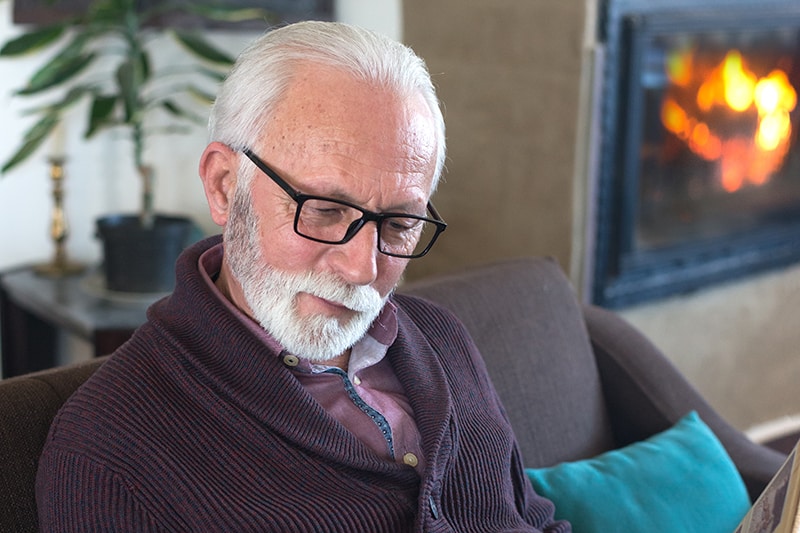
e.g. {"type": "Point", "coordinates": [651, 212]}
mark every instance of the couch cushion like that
{"type": "Point", "coordinates": [678, 480]}
{"type": "Point", "coordinates": [527, 322]}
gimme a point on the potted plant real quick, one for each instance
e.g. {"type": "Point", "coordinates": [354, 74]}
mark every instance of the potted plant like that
{"type": "Point", "coordinates": [103, 56]}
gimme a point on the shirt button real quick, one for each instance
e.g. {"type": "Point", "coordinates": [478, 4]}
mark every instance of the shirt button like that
{"type": "Point", "coordinates": [290, 360]}
{"type": "Point", "coordinates": [357, 380]}
{"type": "Point", "coordinates": [411, 460]}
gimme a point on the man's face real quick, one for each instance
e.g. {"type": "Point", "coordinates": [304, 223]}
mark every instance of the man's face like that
{"type": "Point", "coordinates": [333, 137]}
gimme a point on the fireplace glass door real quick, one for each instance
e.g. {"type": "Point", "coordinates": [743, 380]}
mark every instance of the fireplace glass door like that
{"type": "Point", "coordinates": [704, 179]}
{"type": "Point", "coordinates": [718, 154]}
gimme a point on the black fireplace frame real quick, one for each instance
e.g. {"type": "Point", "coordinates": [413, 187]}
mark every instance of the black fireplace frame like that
{"type": "Point", "coordinates": [621, 274]}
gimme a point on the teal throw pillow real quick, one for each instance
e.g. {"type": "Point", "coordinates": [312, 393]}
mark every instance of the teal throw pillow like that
{"type": "Point", "coordinates": [679, 480]}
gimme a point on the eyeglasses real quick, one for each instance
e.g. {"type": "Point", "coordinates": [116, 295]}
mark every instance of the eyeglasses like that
{"type": "Point", "coordinates": [331, 221]}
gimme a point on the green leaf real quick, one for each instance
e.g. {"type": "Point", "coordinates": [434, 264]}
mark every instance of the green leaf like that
{"type": "Point", "coordinates": [72, 97]}
{"type": "Point", "coordinates": [32, 41]}
{"type": "Point", "coordinates": [21, 155]}
{"type": "Point", "coordinates": [32, 139]}
{"type": "Point", "coordinates": [109, 12]}
{"type": "Point", "coordinates": [126, 78]}
{"type": "Point", "coordinates": [69, 99]}
{"type": "Point", "coordinates": [177, 111]}
{"type": "Point", "coordinates": [216, 75]}
{"type": "Point", "coordinates": [225, 13]}
{"type": "Point", "coordinates": [130, 77]}
{"type": "Point", "coordinates": [202, 48]}
{"type": "Point", "coordinates": [172, 129]}
{"type": "Point", "coordinates": [144, 65]}
{"type": "Point", "coordinates": [100, 114]}
{"type": "Point", "coordinates": [171, 107]}
{"type": "Point", "coordinates": [61, 68]}
{"type": "Point", "coordinates": [205, 97]}
{"type": "Point", "coordinates": [42, 128]}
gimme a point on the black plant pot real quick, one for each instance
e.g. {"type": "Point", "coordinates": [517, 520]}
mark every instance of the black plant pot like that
{"type": "Point", "coordinates": [139, 259]}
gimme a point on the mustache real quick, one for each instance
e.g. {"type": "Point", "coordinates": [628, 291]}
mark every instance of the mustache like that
{"type": "Point", "coordinates": [358, 298]}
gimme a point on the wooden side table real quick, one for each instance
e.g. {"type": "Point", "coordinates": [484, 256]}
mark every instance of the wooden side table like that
{"type": "Point", "coordinates": [34, 309]}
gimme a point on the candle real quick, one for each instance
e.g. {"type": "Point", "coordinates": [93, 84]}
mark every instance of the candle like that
{"type": "Point", "coordinates": [58, 141]}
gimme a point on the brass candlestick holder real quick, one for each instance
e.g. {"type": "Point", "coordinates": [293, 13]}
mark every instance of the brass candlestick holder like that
{"type": "Point", "coordinates": [60, 265]}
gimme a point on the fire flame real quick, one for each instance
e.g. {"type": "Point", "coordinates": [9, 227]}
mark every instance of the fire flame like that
{"type": "Point", "coordinates": [731, 87]}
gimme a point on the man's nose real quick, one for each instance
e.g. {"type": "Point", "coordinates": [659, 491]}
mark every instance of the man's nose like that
{"type": "Point", "coordinates": [356, 260]}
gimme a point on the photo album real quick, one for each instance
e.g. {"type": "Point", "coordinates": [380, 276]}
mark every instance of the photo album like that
{"type": "Point", "coordinates": [776, 510]}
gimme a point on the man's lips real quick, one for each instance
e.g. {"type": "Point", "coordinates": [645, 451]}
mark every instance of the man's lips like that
{"type": "Point", "coordinates": [332, 303]}
{"type": "Point", "coordinates": [318, 303]}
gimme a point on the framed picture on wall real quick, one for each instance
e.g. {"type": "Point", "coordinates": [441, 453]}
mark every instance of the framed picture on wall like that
{"type": "Point", "coordinates": [44, 12]}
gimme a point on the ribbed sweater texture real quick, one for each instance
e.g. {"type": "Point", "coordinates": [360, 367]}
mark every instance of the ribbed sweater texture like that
{"type": "Point", "coordinates": [195, 426]}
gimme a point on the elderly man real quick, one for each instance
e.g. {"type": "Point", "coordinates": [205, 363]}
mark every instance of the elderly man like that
{"type": "Point", "coordinates": [282, 386]}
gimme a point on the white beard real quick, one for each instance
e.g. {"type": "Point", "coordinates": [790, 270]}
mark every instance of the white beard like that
{"type": "Point", "coordinates": [272, 297]}
{"type": "Point", "coordinates": [272, 294]}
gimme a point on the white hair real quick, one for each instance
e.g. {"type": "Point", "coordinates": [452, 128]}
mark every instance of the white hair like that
{"type": "Point", "coordinates": [264, 70]}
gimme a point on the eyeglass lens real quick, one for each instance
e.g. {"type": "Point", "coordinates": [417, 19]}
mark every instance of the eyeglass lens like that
{"type": "Point", "coordinates": [333, 222]}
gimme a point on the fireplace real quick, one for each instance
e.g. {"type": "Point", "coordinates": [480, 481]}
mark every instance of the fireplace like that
{"type": "Point", "coordinates": [699, 166]}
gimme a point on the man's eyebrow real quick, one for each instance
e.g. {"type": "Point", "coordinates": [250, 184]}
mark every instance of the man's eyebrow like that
{"type": "Point", "coordinates": [336, 192]}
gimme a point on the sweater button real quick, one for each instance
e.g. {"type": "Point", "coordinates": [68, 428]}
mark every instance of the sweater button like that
{"type": "Point", "coordinates": [290, 360]}
{"type": "Point", "coordinates": [411, 460]}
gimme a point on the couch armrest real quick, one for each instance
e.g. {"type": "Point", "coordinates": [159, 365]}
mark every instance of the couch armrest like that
{"type": "Point", "coordinates": [646, 394]}
{"type": "Point", "coordinates": [28, 404]}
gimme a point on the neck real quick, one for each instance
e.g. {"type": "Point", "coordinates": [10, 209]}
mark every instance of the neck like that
{"type": "Point", "coordinates": [231, 289]}
{"type": "Point", "coordinates": [340, 361]}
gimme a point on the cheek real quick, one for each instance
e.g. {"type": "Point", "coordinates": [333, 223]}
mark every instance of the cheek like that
{"type": "Point", "coordinates": [280, 246]}
{"type": "Point", "coordinates": [283, 249]}
{"type": "Point", "coordinates": [390, 271]}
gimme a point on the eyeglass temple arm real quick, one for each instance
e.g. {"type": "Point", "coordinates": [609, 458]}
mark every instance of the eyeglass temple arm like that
{"type": "Point", "coordinates": [271, 173]}
{"type": "Point", "coordinates": [436, 216]}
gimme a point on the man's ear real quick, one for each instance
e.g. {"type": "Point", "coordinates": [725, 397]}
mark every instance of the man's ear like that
{"type": "Point", "coordinates": [218, 169]}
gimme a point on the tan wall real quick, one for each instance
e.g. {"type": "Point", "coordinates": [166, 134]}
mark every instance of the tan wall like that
{"type": "Point", "coordinates": [508, 72]}
{"type": "Point", "coordinates": [739, 343]}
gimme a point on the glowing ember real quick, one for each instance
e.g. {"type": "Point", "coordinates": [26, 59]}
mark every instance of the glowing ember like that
{"type": "Point", "coordinates": [703, 102]}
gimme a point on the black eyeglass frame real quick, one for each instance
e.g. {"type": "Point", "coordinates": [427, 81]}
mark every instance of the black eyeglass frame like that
{"type": "Point", "coordinates": [356, 225]}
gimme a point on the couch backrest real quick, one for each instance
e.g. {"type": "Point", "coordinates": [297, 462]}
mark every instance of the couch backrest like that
{"type": "Point", "coordinates": [528, 324]}
{"type": "Point", "coordinates": [27, 406]}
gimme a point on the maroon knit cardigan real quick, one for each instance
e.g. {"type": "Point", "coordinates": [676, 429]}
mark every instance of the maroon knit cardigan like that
{"type": "Point", "coordinates": [194, 425]}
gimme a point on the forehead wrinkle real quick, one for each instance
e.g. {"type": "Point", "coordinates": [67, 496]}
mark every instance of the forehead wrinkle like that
{"type": "Point", "coordinates": [372, 148]}
{"type": "Point", "coordinates": [341, 175]}
{"type": "Point", "coordinates": [333, 187]}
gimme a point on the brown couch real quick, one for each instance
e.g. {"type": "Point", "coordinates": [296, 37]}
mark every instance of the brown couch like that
{"type": "Point", "coordinates": [575, 380]}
